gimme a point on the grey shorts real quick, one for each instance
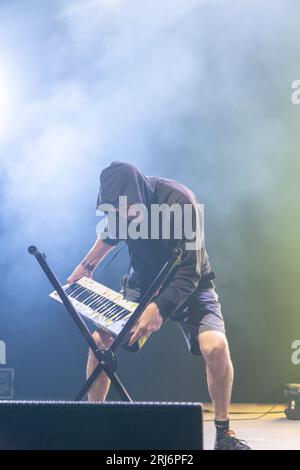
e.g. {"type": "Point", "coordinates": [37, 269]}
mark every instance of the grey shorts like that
{"type": "Point", "coordinates": [203, 313]}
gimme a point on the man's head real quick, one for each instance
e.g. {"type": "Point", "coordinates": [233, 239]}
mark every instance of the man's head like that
{"type": "Point", "coordinates": [122, 187]}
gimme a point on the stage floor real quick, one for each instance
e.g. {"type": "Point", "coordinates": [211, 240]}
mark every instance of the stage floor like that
{"type": "Point", "coordinates": [271, 432]}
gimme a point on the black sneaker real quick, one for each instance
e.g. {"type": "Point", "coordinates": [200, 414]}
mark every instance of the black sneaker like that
{"type": "Point", "coordinates": [228, 441]}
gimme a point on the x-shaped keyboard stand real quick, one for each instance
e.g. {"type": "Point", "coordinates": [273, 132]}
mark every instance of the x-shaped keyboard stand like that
{"type": "Point", "coordinates": [108, 362]}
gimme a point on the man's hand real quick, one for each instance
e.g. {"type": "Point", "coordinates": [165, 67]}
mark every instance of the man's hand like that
{"type": "Point", "coordinates": [149, 321]}
{"type": "Point", "coordinates": [96, 254]}
{"type": "Point", "coordinates": [78, 273]}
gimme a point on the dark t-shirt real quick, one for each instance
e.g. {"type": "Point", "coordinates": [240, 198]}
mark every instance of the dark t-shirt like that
{"type": "Point", "coordinates": [147, 256]}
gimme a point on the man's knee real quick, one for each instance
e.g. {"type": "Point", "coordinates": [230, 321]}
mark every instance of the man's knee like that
{"type": "Point", "coordinates": [103, 341]}
{"type": "Point", "coordinates": [214, 346]}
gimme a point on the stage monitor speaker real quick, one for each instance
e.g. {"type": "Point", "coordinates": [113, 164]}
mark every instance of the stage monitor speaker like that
{"type": "Point", "coordinates": [100, 426]}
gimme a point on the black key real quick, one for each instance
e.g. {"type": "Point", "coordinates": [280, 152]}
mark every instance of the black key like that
{"type": "Point", "coordinates": [72, 289]}
{"type": "Point", "coordinates": [84, 294]}
{"type": "Point", "coordinates": [91, 299]}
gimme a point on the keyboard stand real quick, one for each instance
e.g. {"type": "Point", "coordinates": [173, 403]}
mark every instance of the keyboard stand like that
{"type": "Point", "coordinates": [107, 358]}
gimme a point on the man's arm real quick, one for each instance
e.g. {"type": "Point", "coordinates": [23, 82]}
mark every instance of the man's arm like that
{"type": "Point", "coordinates": [171, 298]}
{"type": "Point", "coordinates": [188, 274]}
{"type": "Point", "coordinates": [90, 262]}
{"type": "Point", "coordinates": [182, 286]}
{"type": "Point", "coordinates": [179, 289]}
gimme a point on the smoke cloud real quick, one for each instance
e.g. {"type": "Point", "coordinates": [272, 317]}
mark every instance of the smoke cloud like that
{"type": "Point", "coordinates": [193, 90]}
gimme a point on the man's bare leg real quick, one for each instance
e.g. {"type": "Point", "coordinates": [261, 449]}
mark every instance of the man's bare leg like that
{"type": "Point", "coordinates": [101, 387]}
{"type": "Point", "coordinates": [215, 350]}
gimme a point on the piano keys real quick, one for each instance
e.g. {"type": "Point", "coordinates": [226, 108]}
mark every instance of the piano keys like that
{"type": "Point", "coordinates": [106, 308]}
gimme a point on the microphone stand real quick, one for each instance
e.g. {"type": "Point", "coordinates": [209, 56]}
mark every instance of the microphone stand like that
{"type": "Point", "coordinates": [107, 358]}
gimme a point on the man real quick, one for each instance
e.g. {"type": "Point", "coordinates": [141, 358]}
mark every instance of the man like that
{"type": "Point", "coordinates": [189, 297]}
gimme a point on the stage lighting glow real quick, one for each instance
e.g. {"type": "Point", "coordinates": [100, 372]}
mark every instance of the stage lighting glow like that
{"type": "Point", "coordinates": [111, 3]}
{"type": "Point", "coordinates": [4, 100]}
{"type": "Point", "coordinates": [8, 98]}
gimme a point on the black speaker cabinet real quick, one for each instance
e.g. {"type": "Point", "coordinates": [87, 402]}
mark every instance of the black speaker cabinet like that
{"type": "Point", "coordinates": [100, 426]}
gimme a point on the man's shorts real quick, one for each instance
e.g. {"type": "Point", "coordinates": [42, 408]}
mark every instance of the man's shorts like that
{"type": "Point", "coordinates": [203, 312]}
